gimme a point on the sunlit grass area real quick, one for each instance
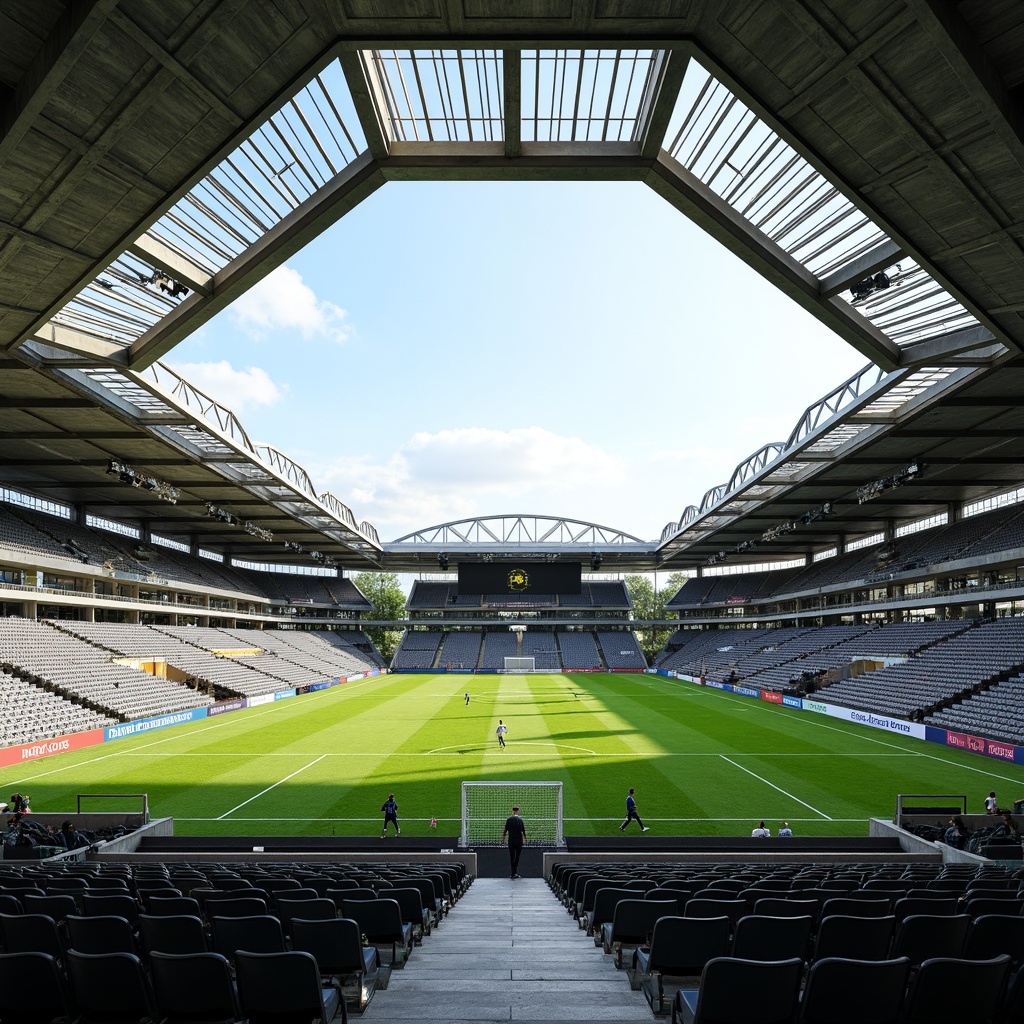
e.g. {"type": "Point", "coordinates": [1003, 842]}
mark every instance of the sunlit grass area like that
{"type": "Point", "coordinates": [703, 762]}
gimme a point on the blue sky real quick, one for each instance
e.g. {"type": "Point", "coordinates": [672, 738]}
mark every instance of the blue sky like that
{"type": "Point", "coordinates": [451, 350]}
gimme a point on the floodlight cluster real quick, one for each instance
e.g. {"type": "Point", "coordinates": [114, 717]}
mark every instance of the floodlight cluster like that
{"type": "Point", "coordinates": [888, 483]}
{"type": "Point", "coordinates": [136, 478]}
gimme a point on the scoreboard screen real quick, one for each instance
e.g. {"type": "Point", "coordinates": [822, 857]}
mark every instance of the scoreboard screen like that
{"type": "Point", "coordinates": [513, 577]}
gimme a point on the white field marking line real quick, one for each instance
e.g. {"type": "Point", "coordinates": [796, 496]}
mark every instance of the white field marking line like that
{"type": "Point", "coordinates": [809, 720]}
{"type": "Point", "coordinates": [761, 778]}
{"type": "Point", "coordinates": [612, 753]}
{"type": "Point", "coordinates": [520, 743]}
{"type": "Point", "coordinates": [227, 720]}
{"type": "Point", "coordinates": [376, 818]}
{"type": "Point", "coordinates": [298, 771]}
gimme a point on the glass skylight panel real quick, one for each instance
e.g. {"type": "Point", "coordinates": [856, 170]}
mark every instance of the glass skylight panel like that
{"type": "Point", "coordinates": [307, 142]}
{"type": "Point", "coordinates": [583, 95]}
{"type": "Point", "coordinates": [441, 95]}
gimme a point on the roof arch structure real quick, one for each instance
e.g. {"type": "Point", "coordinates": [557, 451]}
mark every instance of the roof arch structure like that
{"type": "Point", "coordinates": [161, 158]}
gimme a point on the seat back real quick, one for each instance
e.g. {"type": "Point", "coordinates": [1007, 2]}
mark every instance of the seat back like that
{"type": "Point", "coordinates": [772, 938]}
{"type": "Point", "coordinates": [115, 904]}
{"type": "Point", "coordinates": [843, 905]}
{"type": "Point", "coordinates": [308, 910]}
{"type": "Point", "coordinates": [191, 987]}
{"type": "Point", "coordinates": [178, 934]}
{"type": "Point", "coordinates": [56, 906]}
{"type": "Point", "coordinates": [106, 934]}
{"type": "Point", "coordinates": [993, 934]}
{"type": "Point", "coordinates": [283, 988]}
{"type": "Point", "coordinates": [173, 906]}
{"type": "Point", "coordinates": [110, 987]}
{"type": "Point", "coordinates": [856, 938]}
{"type": "Point", "coordinates": [633, 920]}
{"type": "Point", "coordinates": [910, 905]}
{"type": "Point", "coordinates": [732, 909]}
{"type": "Point", "coordinates": [683, 945]}
{"type": "Point", "coordinates": [380, 920]}
{"type": "Point", "coordinates": [924, 936]}
{"type": "Point", "coordinates": [949, 990]}
{"type": "Point", "coordinates": [845, 991]}
{"type": "Point", "coordinates": [259, 934]}
{"type": "Point", "coordinates": [235, 906]}
{"type": "Point", "coordinates": [335, 944]}
{"type": "Point", "coordinates": [33, 988]}
{"type": "Point", "coordinates": [736, 991]}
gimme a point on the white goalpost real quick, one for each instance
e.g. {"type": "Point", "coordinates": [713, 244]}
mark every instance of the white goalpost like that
{"type": "Point", "coordinates": [520, 665]}
{"type": "Point", "coordinates": [487, 805]}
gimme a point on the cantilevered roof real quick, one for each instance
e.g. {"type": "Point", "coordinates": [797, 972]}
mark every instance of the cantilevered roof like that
{"type": "Point", "coordinates": [158, 159]}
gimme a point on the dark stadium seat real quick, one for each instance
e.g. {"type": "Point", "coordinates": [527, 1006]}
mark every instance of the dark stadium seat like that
{"type": "Point", "coordinates": [110, 987]}
{"type": "Point", "coordinates": [949, 990]}
{"type": "Point", "coordinates": [924, 936]}
{"type": "Point", "coordinates": [846, 991]}
{"type": "Point", "coordinates": [632, 924]}
{"type": "Point", "coordinates": [104, 933]}
{"type": "Point", "coordinates": [171, 934]}
{"type": "Point", "coordinates": [30, 933]}
{"type": "Point", "coordinates": [741, 992]}
{"type": "Point", "coordinates": [604, 909]}
{"type": "Point", "coordinates": [307, 910]}
{"type": "Point", "coordinates": [859, 938]}
{"type": "Point", "coordinates": [381, 922]}
{"type": "Point", "coordinates": [758, 937]}
{"type": "Point", "coordinates": [340, 954]}
{"type": "Point", "coordinates": [58, 907]}
{"type": "Point", "coordinates": [33, 989]}
{"type": "Point", "coordinates": [679, 948]}
{"type": "Point", "coordinates": [193, 987]}
{"type": "Point", "coordinates": [992, 934]}
{"type": "Point", "coordinates": [261, 934]}
{"type": "Point", "coordinates": [285, 988]}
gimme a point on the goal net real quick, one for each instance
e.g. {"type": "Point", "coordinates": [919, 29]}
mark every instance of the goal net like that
{"type": "Point", "coordinates": [487, 805]}
{"type": "Point", "coordinates": [519, 665]}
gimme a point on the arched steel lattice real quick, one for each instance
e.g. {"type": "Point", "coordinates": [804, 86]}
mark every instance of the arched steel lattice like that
{"type": "Point", "coordinates": [509, 530]}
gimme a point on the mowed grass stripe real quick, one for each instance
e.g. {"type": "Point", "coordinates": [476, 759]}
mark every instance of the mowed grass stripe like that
{"type": "Point", "coordinates": [702, 761]}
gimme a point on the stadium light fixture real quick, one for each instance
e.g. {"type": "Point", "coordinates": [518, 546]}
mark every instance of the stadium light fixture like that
{"type": "Point", "coordinates": [442, 562]}
{"type": "Point", "coordinates": [135, 478]}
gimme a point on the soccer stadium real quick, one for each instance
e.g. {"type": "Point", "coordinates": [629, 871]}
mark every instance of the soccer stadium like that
{"type": "Point", "coordinates": [791, 789]}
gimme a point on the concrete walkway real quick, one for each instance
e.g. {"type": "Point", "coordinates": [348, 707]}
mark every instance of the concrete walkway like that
{"type": "Point", "coordinates": [508, 951]}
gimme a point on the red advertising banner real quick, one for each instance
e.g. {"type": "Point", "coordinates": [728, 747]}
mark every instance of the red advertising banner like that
{"type": "Point", "coordinates": [996, 749]}
{"type": "Point", "coordinates": [43, 748]}
{"type": "Point", "coordinates": [771, 696]}
{"type": "Point", "coordinates": [964, 741]}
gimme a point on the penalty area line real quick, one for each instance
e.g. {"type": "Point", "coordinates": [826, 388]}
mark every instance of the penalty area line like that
{"type": "Point", "coordinates": [274, 786]}
{"type": "Point", "coordinates": [779, 789]}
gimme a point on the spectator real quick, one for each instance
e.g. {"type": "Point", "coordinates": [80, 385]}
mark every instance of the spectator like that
{"type": "Point", "coordinates": [73, 839]}
{"type": "Point", "coordinates": [786, 830]}
{"type": "Point", "coordinates": [991, 804]}
{"type": "Point", "coordinates": [761, 832]}
{"type": "Point", "coordinates": [957, 834]}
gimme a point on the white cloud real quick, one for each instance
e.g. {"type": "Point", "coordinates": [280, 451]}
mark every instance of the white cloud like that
{"type": "Point", "coordinates": [475, 471]}
{"type": "Point", "coordinates": [282, 301]}
{"type": "Point", "coordinates": [238, 390]}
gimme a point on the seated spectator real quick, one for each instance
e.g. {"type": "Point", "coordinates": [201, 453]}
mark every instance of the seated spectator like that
{"type": "Point", "coordinates": [72, 838]}
{"type": "Point", "coordinates": [785, 830]}
{"type": "Point", "coordinates": [957, 833]}
{"type": "Point", "coordinates": [19, 803]}
{"type": "Point", "coordinates": [1007, 828]}
{"type": "Point", "coordinates": [761, 832]}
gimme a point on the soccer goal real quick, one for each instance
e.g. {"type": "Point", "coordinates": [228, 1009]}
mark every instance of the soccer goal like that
{"type": "Point", "coordinates": [487, 805]}
{"type": "Point", "coordinates": [520, 665]}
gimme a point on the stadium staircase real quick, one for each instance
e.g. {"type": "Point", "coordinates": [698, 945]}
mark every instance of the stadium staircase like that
{"type": "Point", "coordinates": [508, 951]}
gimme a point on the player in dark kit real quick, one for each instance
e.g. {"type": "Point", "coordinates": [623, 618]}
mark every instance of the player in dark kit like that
{"type": "Point", "coordinates": [515, 829]}
{"type": "Point", "coordinates": [390, 809]}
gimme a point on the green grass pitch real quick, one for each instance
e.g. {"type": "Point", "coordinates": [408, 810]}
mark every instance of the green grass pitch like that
{"type": "Point", "coordinates": [703, 762]}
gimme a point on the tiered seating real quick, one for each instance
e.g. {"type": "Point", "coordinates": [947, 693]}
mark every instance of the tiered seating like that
{"type": "Point", "coordinates": [579, 650]}
{"type": "Point", "coordinates": [460, 649]}
{"type": "Point", "coordinates": [427, 595]}
{"type": "Point", "coordinates": [497, 647]}
{"type": "Point", "coordinates": [938, 673]}
{"type": "Point", "coordinates": [542, 648]}
{"type": "Point", "coordinates": [418, 649]}
{"type": "Point", "coordinates": [79, 668]}
{"type": "Point", "coordinates": [32, 713]}
{"type": "Point", "coordinates": [621, 649]}
{"type": "Point", "coordinates": [997, 713]}
{"type": "Point", "coordinates": [19, 535]}
{"type": "Point", "coordinates": [151, 642]}
{"type": "Point", "coordinates": [612, 594]}
{"type": "Point", "coordinates": [354, 920]}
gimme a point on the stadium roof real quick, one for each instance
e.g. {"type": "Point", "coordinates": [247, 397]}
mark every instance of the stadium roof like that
{"type": "Point", "coordinates": [158, 159]}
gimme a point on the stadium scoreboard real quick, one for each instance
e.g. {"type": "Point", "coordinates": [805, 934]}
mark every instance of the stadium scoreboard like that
{"type": "Point", "coordinates": [514, 577]}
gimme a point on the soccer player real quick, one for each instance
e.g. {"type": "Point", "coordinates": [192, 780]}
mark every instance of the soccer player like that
{"type": "Point", "coordinates": [501, 730]}
{"type": "Point", "coordinates": [631, 814]}
{"type": "Point", "coordinates": [390, 809]}
{"type": "Point", "coordinates": [467, 698]}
